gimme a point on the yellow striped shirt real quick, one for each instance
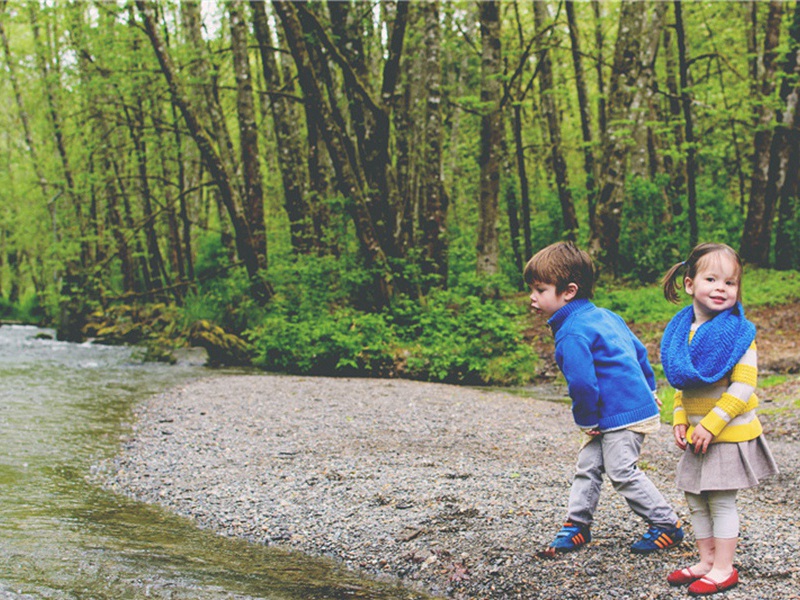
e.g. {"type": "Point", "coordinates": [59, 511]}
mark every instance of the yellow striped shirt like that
{"type": "Point", "coordinates": [727, 408]}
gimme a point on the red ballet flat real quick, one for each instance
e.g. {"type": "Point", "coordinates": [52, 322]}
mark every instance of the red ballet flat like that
{"type": "Point", "coordinates": [705, 586]}
{"type": "Point", "coordinates": [682, 577]}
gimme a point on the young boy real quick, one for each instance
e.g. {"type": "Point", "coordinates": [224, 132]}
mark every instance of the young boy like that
{"type": "Point", "coordinates": [612, 387]}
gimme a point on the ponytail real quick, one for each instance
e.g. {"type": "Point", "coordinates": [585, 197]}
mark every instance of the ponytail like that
{"type": "Point", "coordinates": [671, 284]}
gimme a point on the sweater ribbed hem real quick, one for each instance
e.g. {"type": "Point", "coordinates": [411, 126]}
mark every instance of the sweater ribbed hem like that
{"type": "Point", "coordinates": [626, 419]}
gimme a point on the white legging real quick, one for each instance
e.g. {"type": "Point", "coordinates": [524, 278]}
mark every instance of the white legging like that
{"type": "Point", "coordinates": [714, 514]}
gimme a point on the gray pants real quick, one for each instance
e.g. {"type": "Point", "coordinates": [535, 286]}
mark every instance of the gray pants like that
{"type": "Point", "coordinates": [616, 454]}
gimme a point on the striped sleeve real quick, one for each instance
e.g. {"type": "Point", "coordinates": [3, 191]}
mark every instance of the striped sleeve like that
{"type": "Point", "coordinates": [678, 412]}
{"type": "Point", "coordinates": [738, 397]}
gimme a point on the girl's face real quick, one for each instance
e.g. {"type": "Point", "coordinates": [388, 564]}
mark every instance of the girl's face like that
{"type": "Point", "coordinates": [715, 286]}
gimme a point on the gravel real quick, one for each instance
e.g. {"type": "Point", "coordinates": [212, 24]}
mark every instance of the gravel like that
{"type": "Point", "coordinates": [452, 490]}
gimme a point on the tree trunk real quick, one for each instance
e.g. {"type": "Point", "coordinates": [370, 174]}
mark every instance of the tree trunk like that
{"type": "Point", "coordinates": [245, 247]}
{"type": "Point", "coordinates": [584, 109]}
{"type": "Point", "coordinates": [524, 188]}
{"type": "Point", "coordinates": [346, 172]}
{"type": "Point", "coordinates": [53, 112]}
{"type": "Point", "coordinates": [370, 118]}
{"type": "Point", "coordinates": [599, 40]}
{"type": "Point", "coordinates": [639, 31]}
{"type": "Point", "coordinates": [288, 137]}
{"type": "Point", "coordinates": [135, 120]}
{"type": "Point", "coordinates": [434, 200]}
{"type": "Point", "coordinates": [674, 166]}
{"type": "Point", "coordinates": [204, 70]}
{"type": "Point", "coordinates": [176, 249]}
{"type": "Point", "coordinates": [783, 177]}
{"type": "Point", "coordinates": [688, 124]}
{"type": "Point", "coordinates": [757, 231]}
{"type": "Point", "coordinates": [488, 246]}
{"type": "Point", "coordinates": [23, 113]}
{"type": "Point", "coordinates": [248, 135]}
{"type": "Point", "coordinates": [550, 110]}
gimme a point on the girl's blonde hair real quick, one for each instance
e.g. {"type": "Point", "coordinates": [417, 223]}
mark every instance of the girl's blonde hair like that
{"type": "Point", "coordinates": [673, 280]}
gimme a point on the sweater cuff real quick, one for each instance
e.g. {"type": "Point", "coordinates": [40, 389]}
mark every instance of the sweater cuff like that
{"type": "Point", "coordinates": [713, 423]}
{"type": "Point", "coordinates": [679, 418]}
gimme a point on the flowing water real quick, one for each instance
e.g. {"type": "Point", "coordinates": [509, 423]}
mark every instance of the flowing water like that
{"type": "Point", "coordinates": [63, 409]}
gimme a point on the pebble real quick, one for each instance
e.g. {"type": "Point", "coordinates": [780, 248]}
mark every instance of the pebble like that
{"type": "Point", "coordinates": [452, 490]}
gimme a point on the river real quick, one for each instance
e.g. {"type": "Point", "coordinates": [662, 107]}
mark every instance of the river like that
{"type": "Point", "coordinates": [63, 409]}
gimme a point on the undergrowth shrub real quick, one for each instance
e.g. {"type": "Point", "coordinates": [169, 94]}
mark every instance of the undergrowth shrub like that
{"type": "Point", "coordinates": [343, 342]}
{"type": "Point", "coordinates": [223, 293]}
{"type": "Point", "coordinates": [449, 337]}
{"type": "Point", "coordinates": [459, 338]}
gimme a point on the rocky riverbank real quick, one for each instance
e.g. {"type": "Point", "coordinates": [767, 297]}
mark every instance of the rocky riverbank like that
{"type": "Point", "coordinates": [452, 490]}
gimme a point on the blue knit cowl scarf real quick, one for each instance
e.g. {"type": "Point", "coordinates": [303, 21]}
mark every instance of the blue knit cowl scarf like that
{"type": "Point", "coordinates": [716, 347]}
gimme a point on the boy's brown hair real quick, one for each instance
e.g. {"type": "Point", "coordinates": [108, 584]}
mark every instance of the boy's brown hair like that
{"type": "Point", "coordinates": [560, 264]}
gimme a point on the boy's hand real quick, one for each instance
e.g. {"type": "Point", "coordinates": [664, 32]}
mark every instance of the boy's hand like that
{"type": "Point", "coordinates": [679, 432]}
{"type": "Point", "coordinates": [701, 438]}
{"type": "Point", "coordinates": [593, 432]}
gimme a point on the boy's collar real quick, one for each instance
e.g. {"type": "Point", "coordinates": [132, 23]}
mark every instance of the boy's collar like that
{"type": "Point", "coordinates": [565, 311]}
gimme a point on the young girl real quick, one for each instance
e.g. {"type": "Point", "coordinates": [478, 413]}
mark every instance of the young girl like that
{"type": "Point", "coordinates": [709, 355]}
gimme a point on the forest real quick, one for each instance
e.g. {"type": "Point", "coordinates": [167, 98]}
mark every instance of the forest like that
{"type": "Point", "coordinates": [353, 187]}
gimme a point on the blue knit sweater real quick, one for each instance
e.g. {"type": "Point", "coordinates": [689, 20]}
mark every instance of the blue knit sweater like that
{"type": "Point", "coordinates": [610, 380]}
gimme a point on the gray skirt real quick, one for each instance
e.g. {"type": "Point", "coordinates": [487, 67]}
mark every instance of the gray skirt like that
{"type": "Point", "coordinates": [725, 466]}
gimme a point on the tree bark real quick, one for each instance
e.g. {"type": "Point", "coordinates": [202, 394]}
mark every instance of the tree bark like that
{"type": "Point", "coordinates": [245, 247]}
{"type": "Point", "coordinates": [550, 110]}
{"type": "Point", "coordinates": [639, 31]}
{"type": "Point", "coordinates": [584, 109]}
{"type": "Point", "coordinates": [488, 246]}
{"type": "Point", "coordinates": [346, 172]}
{"type": "Point", "coordinates": [757, 231]}
{"type": "Point", "coordinates": [288, 137]}
{"type": "Point", "coordinates": [434, 200]}
{"type": "Point", "coordinates": [253, 202]}
{"type": "Point", "coordinates": [688, 125]}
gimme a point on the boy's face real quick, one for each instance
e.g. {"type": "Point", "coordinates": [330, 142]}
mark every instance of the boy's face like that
{"type": "Point", "coordinates": [546, 301]}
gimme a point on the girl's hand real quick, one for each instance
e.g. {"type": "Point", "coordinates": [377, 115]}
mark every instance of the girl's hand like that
{"type": "Point", "coordinates": [701, 438]}
{"type": "Point", "coordinates": [679, 432]}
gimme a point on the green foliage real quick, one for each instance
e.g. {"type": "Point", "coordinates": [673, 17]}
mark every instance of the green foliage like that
{"type": "Point", "coordinates": [645, 244]}
{"type": "Point", "coordinates": [223, 292]}
{"type": "Point", "coordinates": [636, 304]}
{"type": "Point", "coordinates": [766, 287]}
{"type": "Point", "coordinates": [28, 310]}
{"type": "Point", "coordinates": [461, 338]}
{"type": "Point", "coordinates": [342, 342]}
{"type": "Point", "coordinates": [450, 337]}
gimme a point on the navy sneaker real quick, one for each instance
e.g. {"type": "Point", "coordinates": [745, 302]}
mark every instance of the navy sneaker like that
{"type": "Point", "coordinates": [658, 538]}
{"type": "Point", "coordinates": [570, 537]}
